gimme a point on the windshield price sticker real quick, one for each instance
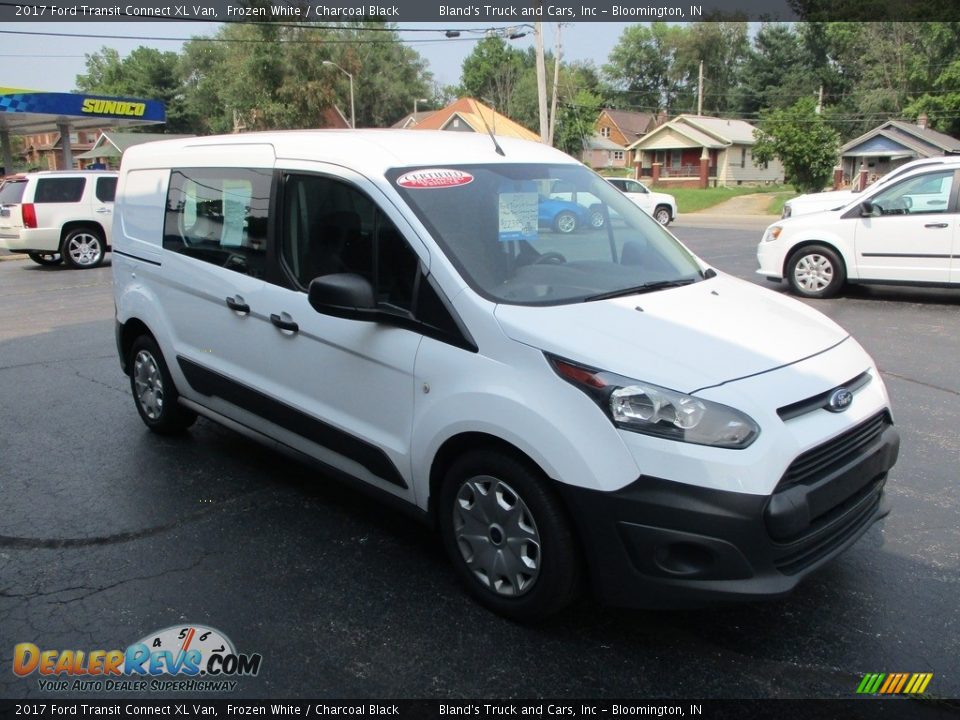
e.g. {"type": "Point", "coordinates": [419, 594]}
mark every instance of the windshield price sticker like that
{"type": "Point", "coordinates": [518, 216]}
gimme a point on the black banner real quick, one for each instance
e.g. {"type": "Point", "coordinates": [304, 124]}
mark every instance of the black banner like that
{"type": "Point", "coordinates": [927, 709]}
{"type": "Point", "coordinates": [480, 12]}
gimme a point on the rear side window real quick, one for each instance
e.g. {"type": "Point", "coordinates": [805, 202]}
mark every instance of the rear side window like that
{"type": "Point", "coordinates": [106, 189]}
{"type": "Point", "coordinates": [59, 190]}
{"type": "Point", "coordinates": [12, 191]}
{"type": "Point", "coordinates": [219, 215]}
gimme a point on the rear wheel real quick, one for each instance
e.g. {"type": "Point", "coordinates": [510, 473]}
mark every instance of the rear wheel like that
{"type": "Point", "coordinates": [45, 258]}
{"type": "Point", "coordinates": [815, 271]}
{"type": "Point", "coordinates": [508, 536]}
{"type": "Point", "coordinates": [83, 248]}
{"type": "Point", "coordinates": [153, 390]}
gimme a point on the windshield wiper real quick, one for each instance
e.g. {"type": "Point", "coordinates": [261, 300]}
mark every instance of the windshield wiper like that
{"type": "Point", "coordinates": [640, 289]}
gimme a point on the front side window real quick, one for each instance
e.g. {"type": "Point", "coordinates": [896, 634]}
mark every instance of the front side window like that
{"type": "Point", "coordinates": [531, 234]}
{"type": "Point", "coordinates": [330, 227]}
{"type": "Point", "coordinates": [922, 194]}
{"type": "Point", "coordinates": [219, 215]}
{"type": "Point", "coordinates": [59, 190]}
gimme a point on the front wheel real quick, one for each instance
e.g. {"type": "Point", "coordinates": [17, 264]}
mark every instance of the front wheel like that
{"type": "Point", "coordinates": [83, 248]}
{"type": "Point", "coordinates": [815, 271]}
{"type": "Point", "coordinates": [662, 215]}
{"type": "Point", "coordinates": [153, 390]}
{"type": "Point", "coordinates": [597, 218]}
{"type": "Point", "coordinates": [508, 536]}
{"type": "Point", "coordinates": [47, 259]}
{"type": "Point", "coordinates": [565, 222]}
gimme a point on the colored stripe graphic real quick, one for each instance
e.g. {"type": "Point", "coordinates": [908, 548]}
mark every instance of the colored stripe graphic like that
{"type": "Point", "coordinates": [894, 683]}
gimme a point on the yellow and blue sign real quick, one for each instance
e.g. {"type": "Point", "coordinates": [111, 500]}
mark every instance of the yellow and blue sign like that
{"type": "Point", "coordinates": [15, 100]}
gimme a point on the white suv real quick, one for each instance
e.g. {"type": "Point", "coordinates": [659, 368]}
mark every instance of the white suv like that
{"type": "Point", "coordinates": [598, 406]}
{"type": "Point", "coordinates": [58, 215]}
{"type": "Point", "coordinates": [661, 206]}
{"type": "Point", "coordinates": [903, 231]}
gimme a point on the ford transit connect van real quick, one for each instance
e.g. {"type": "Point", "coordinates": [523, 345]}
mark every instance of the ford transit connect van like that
{"type": "Point", "coordinates": [598, 407]}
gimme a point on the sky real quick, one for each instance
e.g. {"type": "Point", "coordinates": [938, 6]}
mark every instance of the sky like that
{"type": "Point", "coordinates": [38, 62]}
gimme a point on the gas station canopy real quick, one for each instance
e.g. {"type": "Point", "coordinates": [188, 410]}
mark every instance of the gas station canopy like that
{"type": "Point", "coordinates": [26, 112]}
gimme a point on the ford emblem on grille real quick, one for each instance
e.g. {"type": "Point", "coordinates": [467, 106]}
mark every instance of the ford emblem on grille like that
{"type": "Point", "coordinates": [839, 400]}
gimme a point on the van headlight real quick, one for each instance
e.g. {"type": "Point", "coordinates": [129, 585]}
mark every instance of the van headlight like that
{"type": "Point", "coordinates": [653, 410]}
{"type": "Point", "coordinates": [772, 233]}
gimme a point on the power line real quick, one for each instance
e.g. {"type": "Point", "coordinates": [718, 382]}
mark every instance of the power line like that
{"type": "Point", "coordinates": [243, 41]}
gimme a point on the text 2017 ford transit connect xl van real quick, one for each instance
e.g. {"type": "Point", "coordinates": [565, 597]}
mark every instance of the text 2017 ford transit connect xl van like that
{"type": "Point", "coordinates": [592, 406]}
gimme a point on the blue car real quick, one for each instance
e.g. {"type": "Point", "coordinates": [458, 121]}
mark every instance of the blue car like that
{"type": "Point", "coordinates": [564, 216]}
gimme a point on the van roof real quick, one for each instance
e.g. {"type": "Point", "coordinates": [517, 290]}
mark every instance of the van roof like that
{"type": "Point", "coordinates": [366, 151]}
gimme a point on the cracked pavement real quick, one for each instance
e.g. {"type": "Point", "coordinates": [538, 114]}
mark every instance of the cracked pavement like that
{"type": "Point", "coordinates": [109, 532]}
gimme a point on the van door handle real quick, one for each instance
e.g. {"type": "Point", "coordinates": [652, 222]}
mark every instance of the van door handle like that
{"type": "Point", "coordinates": [238, 305]}
{"type": "Point", "coordinates": [289, 325]}
{"type": "Point", "coordinates": [936, 225]}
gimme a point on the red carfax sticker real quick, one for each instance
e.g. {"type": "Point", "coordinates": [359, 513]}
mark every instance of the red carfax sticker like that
{"type": "Point", "coordinates": [434, 178]}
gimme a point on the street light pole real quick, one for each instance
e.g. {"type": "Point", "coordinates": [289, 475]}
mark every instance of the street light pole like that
{"type": "Point", "coordinates": [353, 117]}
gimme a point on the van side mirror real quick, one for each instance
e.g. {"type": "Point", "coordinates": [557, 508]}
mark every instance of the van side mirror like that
{"type": "Point", "coordinates": [344, 295]}
{"type": "Point", "coordinates": [866, 208]}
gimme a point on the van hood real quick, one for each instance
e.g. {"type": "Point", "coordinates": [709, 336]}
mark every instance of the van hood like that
{"type": "Point", "coordinates": [686, 338]}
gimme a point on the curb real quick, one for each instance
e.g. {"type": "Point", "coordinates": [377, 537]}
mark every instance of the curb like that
{"type": "Point", "coordinates": [13, 256]}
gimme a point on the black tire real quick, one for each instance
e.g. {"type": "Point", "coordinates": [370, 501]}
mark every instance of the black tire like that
{"type": "Point", "coordinates": [153, 390]}
{"type": "Point", "coordinates": [83, 248]}
{"type": "Point", "coordinates": [662, 215]}
{"type": "Point", "coordinates": [565, 222]}
{"type": "Point", "coordinates": [816, 271]}
{"type": "Point", "coordinates": [47, 259]}
{"type": "Point", "coordinates": [542, 534]}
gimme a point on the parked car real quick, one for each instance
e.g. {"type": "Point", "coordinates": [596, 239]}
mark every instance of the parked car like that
{"type": "Point", "coordinates": [835, 199]}
{"type": "Point", "coordinates": [661, 206]}
{"type": "Point", "coordinates": [901, 231]}
{"type": "Point", "coordinates": [58, 216]}
{"type": "Point", "coordinates": [565, 216]}
{"type": "Point", "coordinates": [601, 408]}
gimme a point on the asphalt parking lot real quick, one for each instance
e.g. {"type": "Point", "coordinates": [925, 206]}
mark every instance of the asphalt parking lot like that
{"type": "Point", "coordinates": [109, 533]}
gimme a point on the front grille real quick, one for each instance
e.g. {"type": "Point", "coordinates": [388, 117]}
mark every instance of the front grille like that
{"type": "Point", "coordinates": [832, 531]}
{"type": "Point", "coordinates": [814, 464]}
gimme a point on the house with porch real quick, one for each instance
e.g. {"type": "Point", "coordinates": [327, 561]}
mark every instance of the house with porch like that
{"type": "Point", "coordinates": [697, 151]}
{"type": "Point", "coordinates": [614, 132]}
{"type": "Point", "coordinates": [890, 145]}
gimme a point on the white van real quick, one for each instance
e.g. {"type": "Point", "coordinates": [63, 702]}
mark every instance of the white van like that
{"type": "Point", "coordinates": [598, 406]}
{"type": "Point", "coordinates": [901, 231]}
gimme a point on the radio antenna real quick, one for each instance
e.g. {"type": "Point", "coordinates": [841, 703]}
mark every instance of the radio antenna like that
{"type": "Point", "coordinates": [496, 145]}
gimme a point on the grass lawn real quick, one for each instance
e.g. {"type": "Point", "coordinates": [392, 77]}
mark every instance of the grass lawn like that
{"type": "Point", "coordinates": [694, 199]}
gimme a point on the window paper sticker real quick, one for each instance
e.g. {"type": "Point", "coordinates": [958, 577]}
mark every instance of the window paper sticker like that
{"type": "Point", "coordinates": [518, 216]}
{"type": "Point", "coordinates": [236, 205]}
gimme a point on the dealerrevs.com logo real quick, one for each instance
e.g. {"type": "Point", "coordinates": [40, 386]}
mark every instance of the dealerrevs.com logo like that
{"type": "Point", "coordinates": [186, 658]}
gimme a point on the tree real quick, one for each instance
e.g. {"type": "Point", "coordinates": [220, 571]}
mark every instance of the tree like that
{"type": "Point", "coordinates": [802, 140]}
{"type": "Point", "coordinates": [640, 67]}
{"type": "Point", "coordinates": [491, 72]}
{"type": "Point", "coordinates": [776, 71]}
{"type": "Point", "coordinates": [145, 73]}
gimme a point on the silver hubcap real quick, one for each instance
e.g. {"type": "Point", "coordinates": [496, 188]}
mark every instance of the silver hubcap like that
{"type": "Point", "coordinates": [662, 217]}
{"type": "Point", "coordinates": [813, 272]}
{"type": "Point", "coordinates": [566, 223]}
{"type": "Point", "coordinates": [596, 219]}
{"type": "Point", "coordinates": [84, 248]}
{"type": "Point", "coordinates": [497, 536]}
{"type": "Point", "coordinates": [149, 384]}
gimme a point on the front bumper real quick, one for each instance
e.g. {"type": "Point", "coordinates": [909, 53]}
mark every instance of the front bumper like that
{"type": "Point", "coordinates": [658, 543]}
{"type": "Point", "coordinates": [770, 259]}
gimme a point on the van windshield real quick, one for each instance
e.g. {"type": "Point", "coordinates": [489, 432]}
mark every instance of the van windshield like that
{"type": "Point", "coordinates": [529, 234]}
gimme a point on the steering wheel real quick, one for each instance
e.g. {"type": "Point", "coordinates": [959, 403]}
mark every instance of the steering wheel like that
{"type": "Point", "coordinates": [550, 258]}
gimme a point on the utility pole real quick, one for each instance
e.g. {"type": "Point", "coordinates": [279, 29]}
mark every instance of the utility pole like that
{"type": "Point", "coordinates": [700, 91]}
{"type": "Point", "coordinates": [820, 101]}
{"type": "Point", "coordinates": [541, 82]}
{"type": "Point", "coordinates": [556, 81]}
